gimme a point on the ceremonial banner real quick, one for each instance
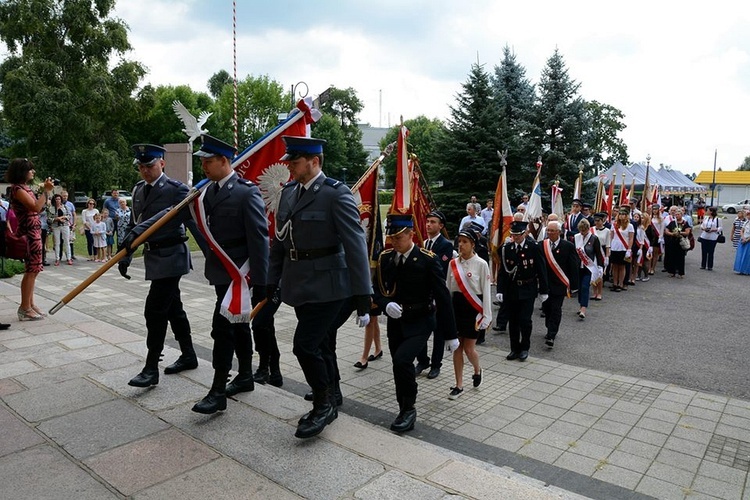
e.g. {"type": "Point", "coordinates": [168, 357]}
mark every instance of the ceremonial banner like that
{"type": "Point", "coordinates": [420, 202]}
{"type": "Point", "coordinates": [402, 194]}
{"type": "Point", "coordinates": [260, 163]}
{"type": "Point", "coordinates": [502, 216]}
{"type": "Point", "coordinates": [557, 202]}
{"type": "Point", "coordinates": [577, 189]}
{"type": "Point", "coordinates": [534, 208]}
{"type": "Point", "coordinates": [366, 197]}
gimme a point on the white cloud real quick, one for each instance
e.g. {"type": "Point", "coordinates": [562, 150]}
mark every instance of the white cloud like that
{"type": "Point", "coordinates": [679, 73]}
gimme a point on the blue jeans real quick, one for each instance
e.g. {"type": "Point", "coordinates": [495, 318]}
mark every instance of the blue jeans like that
{"type": "Point", "coordinates": [707, 253]}
{"type": "Point", "coordinates": [584, 287]}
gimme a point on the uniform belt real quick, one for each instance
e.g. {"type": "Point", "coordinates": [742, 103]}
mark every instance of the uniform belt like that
{"type": "Point", "coordinates": [418, 306]}
{"type": "Point", "coordinates": [237, 242]}
{"type": "Point", "coordinates": [153, 245]}
{"type": "Point", "coordinates": [525, 282]}
{"type": "Point", "coordinates": [316, 253]}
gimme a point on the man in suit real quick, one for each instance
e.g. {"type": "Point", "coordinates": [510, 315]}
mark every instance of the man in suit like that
{"type": "Point", "coordinates": [562, 271]}
{"type": "Point", "coordinates": [522, 276]}
{"type": "Point", "coordinates": [166, 258]}
{"type": "Point", "coordinates": [411, 290]}
{"type": "Point", "coordinates": [572, 220]}
{"type": "Point", "coordinates": [319, 261]}
{"type": "Point", "coordinates": [443, 249]}
{"type": "Point", "coordinates": [232, 217]}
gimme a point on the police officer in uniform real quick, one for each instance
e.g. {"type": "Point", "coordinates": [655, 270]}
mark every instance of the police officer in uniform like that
{"type": "Point", "coordinates": [233, 212]}
{"type": "Point", "coordinates": [166, 258]}
{"type": "Point", "coordinates": [522, 276]}
{"type": "Point", "coordinates": [319, 260]}
{"type": "Point", "coordinates": [410, 287]}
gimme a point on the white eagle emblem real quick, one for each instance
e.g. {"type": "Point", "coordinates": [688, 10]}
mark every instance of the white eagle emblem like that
{"type": "Point", "coordinates": [192, 126]}
{"type": "Point", "coordinates": [271, 181]}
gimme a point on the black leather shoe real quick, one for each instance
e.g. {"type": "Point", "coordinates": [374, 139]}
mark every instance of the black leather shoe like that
{"type": "Point", "coordinates": [213, 402]}
{"type": "Point", "coordinates": [261, 376]}
{"type": "Point", "coordinates": [275, 379]}
{"type": "Point", "coordinates": [433, 373]}
{"type": "Point", "coordinates": [511, 356]}
{"type": "Point", "coordinates": [523, 356]}
{"type": "Point", "coordinates": [361, 366]}
{"type": "Point", "coordinates": [339, 397]}
{"type": "Point", "coordinates": [243, 382]}
{"type": "Point", "coordinates": [147, 378]}
{"type": "Point", "coordinates": [420, 368]}
{"type": "Point", "coordinates": [4, 326]}
{"type": "Point", "coordinates": [405, 421]}
{"type": "Point", "coordinates": [313, 423]}
{"type": "Point", "coordinates": [183, 363]}
{"type": "Point", "coordinates": [499, 329]}
{"type": "Point", "coordinates": [373, 357]}
{"type": "Point", "coordinates": [309, 396]}
{"type": "Point", "coordinates": [549, 341]}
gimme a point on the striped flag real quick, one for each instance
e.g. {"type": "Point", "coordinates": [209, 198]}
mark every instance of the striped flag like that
{"type": "Point", "coordinates": [502, 216]}
{"type": "Point", "coordinates": [402, 194]}
{"type": "Point", "coordinates": [534, 208]}
{"type": "Point", "coordinates": [557, 202]}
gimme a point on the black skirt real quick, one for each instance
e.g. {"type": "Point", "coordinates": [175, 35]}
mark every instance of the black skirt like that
{"type": "Point", "coordinates": [466, 316]}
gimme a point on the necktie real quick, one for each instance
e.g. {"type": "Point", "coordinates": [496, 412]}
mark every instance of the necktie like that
{"type": "Point", "coordinates": [302, 191]}
{"type": "Point", "coordinates": [518, 248]}
{"type": "Point", "coordinates": [216, 188]}
{"type": "Point", "coordinates": [429, 244]}
{"type": "Point", "coordinates": [553, 245]}
{"type": "Point", "coordinates": [401, 259]}
{"type": "Point", "coordinates": [147, 190]}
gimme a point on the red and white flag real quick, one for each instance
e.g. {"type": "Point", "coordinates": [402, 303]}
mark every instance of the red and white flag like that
{"type": "Point", "coordinates": [260, 163]}
{"type": "Point", "coordinates": [402, 194]}
{"type": "Point", "coordinates": [365, 193]}
{"type": "Point", "coordinates": [502, 216]}
{"type": "Point", "coordinates": [557, 202]}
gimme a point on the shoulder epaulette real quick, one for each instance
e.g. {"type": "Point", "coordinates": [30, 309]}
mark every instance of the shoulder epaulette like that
{"type": "Point", "coordinates": [387, 250]}
{"type": "Point", "coordinates": [332, 182]}
{"type": "Point", "coordinates": [427, 252]}
{"type": "Point", "coordinates": [140, 182]}
{"type": "Point", "coordinates": [244, 181]}
{"type": "Point", "coordinates": [290, 184]}
{"type": "Point", "coordinates": [174, 182]}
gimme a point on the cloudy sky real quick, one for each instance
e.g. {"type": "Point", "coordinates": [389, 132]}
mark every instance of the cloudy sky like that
{"type": "Point", "coordinates": [680, 74]}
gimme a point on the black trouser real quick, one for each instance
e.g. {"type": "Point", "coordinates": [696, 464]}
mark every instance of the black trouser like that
{"type": "Point", "coordinates": [438, 347]}
{"type": "Point", "coordinates": [552, 308]}
{"type": "Point", "coordinates": [405, 340]}
{"type": "Point", "coordinates": [228, 337]}
{"type": "Point", "coordinates": [519, 323]}
{"type": "Point", "coordinates": [164, 305]}
{"type": "Point", "coordinates": [264, 332]}
{"type": "Point", "coordinates": [502, 317]}
{"type": "Point", "coordinates": [707, 253]}
{"type": "Point", "coordinates": [312, 342]}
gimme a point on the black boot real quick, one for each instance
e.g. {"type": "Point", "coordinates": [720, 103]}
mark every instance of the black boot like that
{"type": "Point", "coordinates": [406, 417]}
{"type": "Point", "coordinates": [187, 360]}
{"type": "Point", "coordinates": [243, 382]}
{"type": "Point", "coordinates": [323, 413]}
{"type": "Point", "coordinates": [261, 374]}
{"type": "Point", "coordinates": [338, 397]}
{"type": "Point", "coordinates": [216, 399]}
{"type": "Point", "coordinates": [275, 378]}
{"type": "Point", "coordinates": [150, 374]}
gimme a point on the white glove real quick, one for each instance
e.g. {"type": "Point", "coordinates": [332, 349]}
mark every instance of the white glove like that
{"type": "Point", "coordinates": [606, 262]}
{"type": "Point", "coordinates": [363, 321]}
{"type": "Point", "coordinates": [661, 241]}
{"type": "Point", "coordinates": [649, 253]}
{"type": "Point", "coordinates": [543, 297]}
{"type": "Point", "coordinates": [628, 253]}
{"type": "Point", "coordinates": [451, 345]}
{"type": "Point", "coordinates": [499, 297]}
{"type": "Point", "coordinates": [393, 310]}
{"type": "Point", "coordinates": [485, 323]}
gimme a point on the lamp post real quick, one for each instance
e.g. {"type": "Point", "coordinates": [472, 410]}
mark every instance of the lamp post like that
{"type": "Point", "coordinates": [713, 181]}
{"type": "Point", "coordinates": [296, 90]}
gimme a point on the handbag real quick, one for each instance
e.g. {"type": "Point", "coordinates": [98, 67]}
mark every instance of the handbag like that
{"type": "Point", "coordinates": [684, 243]}
{"type": "Point", "coordinates": [16, 246]}
{"type": "Point", "coordinates": [721, 239]}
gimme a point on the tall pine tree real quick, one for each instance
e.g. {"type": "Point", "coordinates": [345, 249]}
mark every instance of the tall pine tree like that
{"type": "Point", "coordinates": [467, 162]}
{"type": "Point", "coordinates": [562, 123]}
{"type": "Point", "coordinates": [515, 97]}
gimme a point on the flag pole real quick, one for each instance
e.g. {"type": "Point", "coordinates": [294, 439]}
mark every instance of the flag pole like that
{"type": "Point", "coordinates": [375, 164]}
{"type": "Point", "coordinates": [599, 192]}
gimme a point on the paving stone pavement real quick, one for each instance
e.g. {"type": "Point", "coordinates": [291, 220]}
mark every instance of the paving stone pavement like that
{"type": "Point", "coordinates": [540, 429]}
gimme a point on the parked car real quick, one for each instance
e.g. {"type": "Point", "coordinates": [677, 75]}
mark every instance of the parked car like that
{"type": "Point", "coordinates": [123, 194]}
{"type": "Point", "coordinates": [79, 199]}
{"type": "Point", "coordinates": [732, 208]}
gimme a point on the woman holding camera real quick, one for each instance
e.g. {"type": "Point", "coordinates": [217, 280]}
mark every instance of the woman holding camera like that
{"type": "Point", "coordinates": [60, 221]}
{"type": "Point", "coordinates": [27, 206]}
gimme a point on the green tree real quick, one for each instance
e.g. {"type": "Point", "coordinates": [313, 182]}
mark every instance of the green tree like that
{"type": "Point", "coordinates": [260, 100]}
{"type": "Point", "coordinates": [561, 118]}
{"type": "Point", "coordinates": [422, 141]}
{"type": "Point", "coordinates": [745, 164]}
{"type": "Point", "coordinates": [515, 100]}
{"type": "Point", "coordinates": [218, 81]}
{"type": "Point", "coordinates": [605, 123]}
{"type": "Point", "coordinates": [64, 92]}
{"type": "Point", "coordinates": [329, 129]}
{"type": "Point", "coordinates": [345, 106]}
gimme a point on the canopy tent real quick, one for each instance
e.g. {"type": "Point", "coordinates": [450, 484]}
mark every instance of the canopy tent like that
{"type": "Point", "coordinates": [669, 181]}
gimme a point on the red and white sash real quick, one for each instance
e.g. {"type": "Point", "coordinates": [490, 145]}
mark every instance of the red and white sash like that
{"type": "Point", "coordinates": [590, 264]}
{"type": "Point", "coordinates": [644, 244]}
{"type": "Point", "coordinates": [236, 303]}
{"type": "Point", "coordinates": [622, 240]}
{"type": "Point", "coordinates": [463, 283]}
{"type": "Point", "coordinates": [554, 265]}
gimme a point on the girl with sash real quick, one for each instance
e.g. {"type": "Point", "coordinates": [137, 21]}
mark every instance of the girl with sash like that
{"type": "Point", "coordinates": [604, 235]}
{"type": "Point", "coordinates": [591, 270]}
{"type": "Point", "coordinates": [657, 239]}
{"type": "Point", "coordinates": [469, 283]}
{"type": "Point", "coordinates": [622, 244]}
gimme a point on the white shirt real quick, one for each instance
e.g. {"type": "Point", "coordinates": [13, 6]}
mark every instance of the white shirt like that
{"type": "Point", "coordinates": [617, 245]}
{"type": "Point", "coordinates": [477, 274]}
{"type": "Point", "coordinates": [466, 220]}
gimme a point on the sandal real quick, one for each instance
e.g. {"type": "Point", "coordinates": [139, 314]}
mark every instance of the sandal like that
{"type": "Point", "coordinates": [39, 311]}
{"type": "Point", "coordinates": [28, 315]}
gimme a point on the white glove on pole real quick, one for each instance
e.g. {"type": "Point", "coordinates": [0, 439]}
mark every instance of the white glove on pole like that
{"type": "Point", "coordinates": [606, 262]}
{"type": "Point", "coordinates": [543, 297]}
{"type": "Point", "coordinates": [393, 310]}
{"type": "Point", "coordinates": [628, 253]}
{"type": "Point", "coordinates": [499, 297]}
{"type": "Point", "coordinates": [485, 323]}
{"type": "Point", "coordinates": [451, 345]}
{"type": "Point", "coordinates": [363, 321]}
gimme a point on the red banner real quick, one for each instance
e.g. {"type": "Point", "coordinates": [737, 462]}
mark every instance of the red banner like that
{"type": "Point", "coordinates": [366, 197]}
